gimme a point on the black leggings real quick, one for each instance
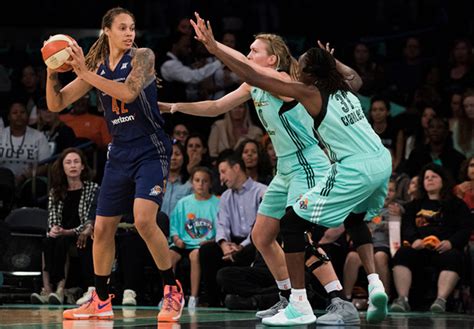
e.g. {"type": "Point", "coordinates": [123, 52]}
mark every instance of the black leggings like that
{"type": "Point", "coordinates": [415, 260]}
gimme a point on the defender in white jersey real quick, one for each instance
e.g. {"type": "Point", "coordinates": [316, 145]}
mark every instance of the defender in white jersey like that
{"type": "Point", "coordinates": [357, 179]}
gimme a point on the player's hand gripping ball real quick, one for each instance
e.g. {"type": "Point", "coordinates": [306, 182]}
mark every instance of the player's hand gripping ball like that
{"type": "Point", "coordinates": [55, 54]}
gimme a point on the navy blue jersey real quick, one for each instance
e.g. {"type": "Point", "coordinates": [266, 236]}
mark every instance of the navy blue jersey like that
{"type": "Point", "coordinates": [130, 121]}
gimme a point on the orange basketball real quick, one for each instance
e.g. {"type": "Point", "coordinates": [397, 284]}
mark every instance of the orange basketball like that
{"type": "Point", "coordinates": [55, 54]}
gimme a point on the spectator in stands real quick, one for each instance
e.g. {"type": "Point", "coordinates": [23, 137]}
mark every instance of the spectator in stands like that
{"type": "Point", "coordinates": [176, 74]}
{"type": "Point", "coordinates": [59, 135]}
{"type": "Point", "coordinates": [257, 164]}
{"type": "Point", "coordinates": [237, 213]}
{"type": "Point", "coordinates": [463, 126]}
{"type": "Point", "coordinates": [439, 150]}
{"type": "Point", "coordinates": [193, 224]}
{"type": "Point", "coordinates": [465, 190]}
{"type": "Point", "coordinates": [223, 80]}
{"type": "Point", "coordinates": [232, 129]}
{"type": "Point", "coordinates": [22, 147]}
{"type": "Point", "coordinates": [268, 147]}
{"type": "Point", "coordinates": [29, 91]}
{"type": "Point", "coordinates": [371, 72]}
{"type": "Point", "coordinates": [178, 184]}
{"type": "Point", "coordinates": [418, 136]}
{"type": "Point", "coordinates": [71, 206]}
{"type": "Point", "coordinates": [180, 133]}
{"type": "Point", "coordinates": [455, 107]}
{"type": "Point", "coordinates": [380, 120]}
{"type": "Point", "coordinates": [406, 74]}
{"type": "Point", "coordinates": [85, 125]}
{"type": "Point", "coordinates": [197, 152]}
{"type": "Point", "coordinates": [436, 228]}
{"type": "Point", "coordinates": [460, 74]}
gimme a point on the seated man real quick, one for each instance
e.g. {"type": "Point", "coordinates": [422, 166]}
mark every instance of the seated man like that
{"type": "Point", "coordinates": [237, 213]}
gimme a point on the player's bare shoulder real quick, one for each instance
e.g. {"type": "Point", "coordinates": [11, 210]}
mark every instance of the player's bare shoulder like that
{"type": "Point", "coordinates": [143, 71]}
{"type": "Point", "coordinates": [144, 57]}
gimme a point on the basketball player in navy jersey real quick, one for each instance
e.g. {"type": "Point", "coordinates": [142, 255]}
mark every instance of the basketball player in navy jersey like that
{"type": "Point", "coordinates": [138, 160]}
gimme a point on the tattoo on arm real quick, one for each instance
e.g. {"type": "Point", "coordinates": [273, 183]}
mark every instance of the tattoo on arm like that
{"type": "Point", "coordinates": [56, 84]}
{"type": "Point", "coordinates": [143, 70]}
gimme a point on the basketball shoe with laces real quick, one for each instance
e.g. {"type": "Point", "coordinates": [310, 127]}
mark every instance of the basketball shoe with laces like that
{"type": "Point", "coordinates": [93, 309]}
{"type": "Point", "coordinates": [173, 303]}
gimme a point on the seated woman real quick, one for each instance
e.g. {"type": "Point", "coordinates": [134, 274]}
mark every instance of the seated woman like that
{"type": "Point", "coordinates": [178, 184]}
{"type": "Point", "coordinates": [257, 163]}
{"type": "Point", "coordinates": [231, 130]}
{"type": "Point", "coordinates": [435, 229]}
{"type": "Point", "coordinates": [71, 206]}
{"type": "Point", "coordinates": [465, 190]}
{"type": "Point", "coordinates": [193, 223]}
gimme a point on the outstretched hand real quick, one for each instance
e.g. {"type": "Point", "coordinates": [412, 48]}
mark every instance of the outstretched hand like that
{"type": "Point", "coordinates": [326, 47]}
{"type": "Point", "coordinates": [204, 33]}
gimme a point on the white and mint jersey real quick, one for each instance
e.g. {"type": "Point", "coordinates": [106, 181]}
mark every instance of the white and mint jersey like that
{"type": "Point", "coordinates": [343, 129]}
{"type": "Point", "coordinates": [288, 124]}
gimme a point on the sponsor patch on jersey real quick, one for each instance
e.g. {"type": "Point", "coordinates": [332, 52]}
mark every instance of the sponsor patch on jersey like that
{"type": "Point", "coordinates": [156, 190]}
{"type": "Point", "coordinates": [304, 204]}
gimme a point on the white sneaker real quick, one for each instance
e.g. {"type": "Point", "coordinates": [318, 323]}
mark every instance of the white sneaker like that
{"type": "Point", "coordinates": [192, 303]}
{"type": "Point", "coordinates": [378, 299]}
{"type": "Point", "coordinates": [290, 316]}
{"type": "Point", "coordinates": [86, 296]}
{"type": "Point", "coordinates": [129, 297]}
{"type": "Point", "coordinates": [41, 298]}
{"type": "Point", "coordinates": [57, 297]}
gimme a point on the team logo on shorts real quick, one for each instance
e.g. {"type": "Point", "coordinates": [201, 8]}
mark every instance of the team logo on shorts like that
{"type": "Point", "coordinates": [156, 190]}
{"type": "Point", "coordinates": [304, 204]}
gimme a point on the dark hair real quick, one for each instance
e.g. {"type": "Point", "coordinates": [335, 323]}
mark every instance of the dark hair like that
{"type": "Point", "coordinates": [183, 172]}
{"type": "Point", "coordinates": [464, 168]}
{"type": "Point", "coordinates": [446, 192]}
{"type": "Point", "coordinates": [264, 167]}
{"type": "Point", "coordinates": [99, 50]}
{"type": "Point", "coordinates": [232, 158]}
{"type": "Point", "coordinates": [321, 65]}
{"type": "Point", "coordinates": [59, 184]}
{"type": "Point", "coordinates": [206, 159]}
{"type": "Point", "coordinates": [202, 169]}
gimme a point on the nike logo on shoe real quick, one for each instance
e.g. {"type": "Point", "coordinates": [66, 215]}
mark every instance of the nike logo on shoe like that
{"type": "Point", "coordinates": [101, 306]}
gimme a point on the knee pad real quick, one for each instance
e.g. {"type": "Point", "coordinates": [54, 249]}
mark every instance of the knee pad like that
{"type": "Point", "coordinates": [292, 229]}
{"type": "Point", "coordinates": [357, 229]}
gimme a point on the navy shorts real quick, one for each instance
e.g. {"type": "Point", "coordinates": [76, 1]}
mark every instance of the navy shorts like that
{"type": "Point", "coordinates": [133, 171]}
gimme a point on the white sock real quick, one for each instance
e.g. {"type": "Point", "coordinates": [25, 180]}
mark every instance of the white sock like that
{"type": "Point", "coordinates": [333, 285]}
{"type": "Point", "coordinates": [299, 301]}
{"type": "Point", "coordinates": [373, 278]}
{"type": "Point", "coordinates": [284, 284]}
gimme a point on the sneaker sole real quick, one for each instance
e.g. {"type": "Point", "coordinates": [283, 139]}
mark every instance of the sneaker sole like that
{"type": "Point", "coordinates": [103, 316]}
{"type": "Point", "coordinates": [36, 300]}
{"type": "Point", "coordinates": [437, 309]}
{"type": "Point", "coordinates": [302, 320]}
{"type": "Point", "coordinates": [379, 301]}
{"type": "Point", "coordinates": [354, 322]}
{"type": "Point", "coordinates": [397, 309]}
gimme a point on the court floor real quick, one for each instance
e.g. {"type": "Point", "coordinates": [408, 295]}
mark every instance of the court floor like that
{"type": "Point", "coordinates": [33, 316]}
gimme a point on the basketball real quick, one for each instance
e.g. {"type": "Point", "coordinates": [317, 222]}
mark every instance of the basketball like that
{"type": "Point", "coordinates": [54, 52]}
